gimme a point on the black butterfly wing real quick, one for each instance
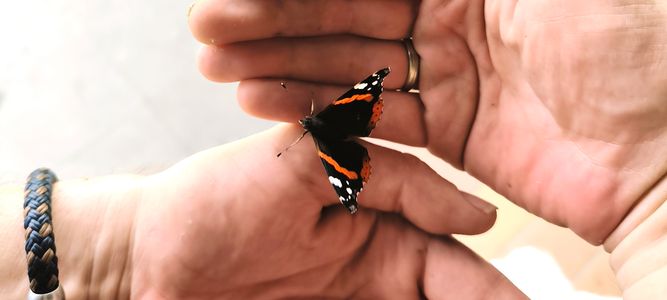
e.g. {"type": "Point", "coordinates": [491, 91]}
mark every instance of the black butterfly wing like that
{"type": "Point", "coordinates": [356, 112]}
{"type": "Point", "coordinates": [348, 167]}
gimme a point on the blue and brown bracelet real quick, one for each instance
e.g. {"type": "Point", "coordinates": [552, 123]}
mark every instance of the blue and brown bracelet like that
{"type": "Point", "coordinates": [40, 246]}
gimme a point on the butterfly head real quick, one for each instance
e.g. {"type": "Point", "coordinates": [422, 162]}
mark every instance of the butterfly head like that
{"type": "Point", "coordinates": [307, 123]}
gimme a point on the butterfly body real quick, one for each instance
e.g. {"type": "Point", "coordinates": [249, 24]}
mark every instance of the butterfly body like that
{"type": "Point", "coordinates": [323, 130]}
{"type": "Point", "coordinates": [354, 114]}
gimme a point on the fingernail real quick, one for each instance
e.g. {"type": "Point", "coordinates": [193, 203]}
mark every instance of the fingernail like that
{"type": "Point", "coordinates": [480, 204]}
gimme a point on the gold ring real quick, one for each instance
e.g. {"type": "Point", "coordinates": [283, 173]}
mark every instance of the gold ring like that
{"type": "Point", "coordinates": [413, 66]}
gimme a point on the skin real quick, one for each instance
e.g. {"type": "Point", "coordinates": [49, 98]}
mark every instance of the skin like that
{"type": "Point", "coordinates": [561, 106]}
{"type": "Point", "coordinates": [236, 222]}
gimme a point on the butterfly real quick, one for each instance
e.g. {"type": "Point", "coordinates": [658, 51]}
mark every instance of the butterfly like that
{"type": "Point", "coordinates": [354, 114]}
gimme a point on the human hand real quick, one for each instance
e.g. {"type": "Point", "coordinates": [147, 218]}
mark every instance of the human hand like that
{"type": "Point", "coordinates": [559, 106]}
{"type": "Point", "coordinates": [238, 222]}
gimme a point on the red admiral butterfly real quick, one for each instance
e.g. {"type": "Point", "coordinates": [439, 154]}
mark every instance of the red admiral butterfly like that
{"type": "Point", "coordinates": [354, 114]}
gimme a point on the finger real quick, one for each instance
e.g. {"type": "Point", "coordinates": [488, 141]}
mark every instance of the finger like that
{"type": "Point", "coordinates": [296, 184]}
{"type": "Point", "coordinates": [402, 118]}
{"type": "Point", "coordinates": [228, 21]}
{"type": "Point", "coordinates": [454, 272]}
{"type": "Point", "coordinates": [400, 183]}
{"type": "Point", "coordinates": [420, 266]}
{"type": "Point", "coordinates": [340, 60]}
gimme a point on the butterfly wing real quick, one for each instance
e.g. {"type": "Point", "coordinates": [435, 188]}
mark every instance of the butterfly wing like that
{"type": "Point", "coordinates": [348, 167]}
{"type": "Point", "coordinates": [356, 112]}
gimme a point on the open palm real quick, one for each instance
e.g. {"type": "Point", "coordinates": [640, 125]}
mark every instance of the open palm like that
{"type": "Point", "coordinates": [557, 105]}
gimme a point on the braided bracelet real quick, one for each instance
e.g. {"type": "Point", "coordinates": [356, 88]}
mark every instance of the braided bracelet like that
{"type": "Point", "coordinates": [40, 246]}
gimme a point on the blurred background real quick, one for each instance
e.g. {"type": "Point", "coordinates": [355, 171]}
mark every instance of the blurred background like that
{"type": "Point", "coordinates": [95, 88]}
{"type": "Point", "coordinates": [98, 87]}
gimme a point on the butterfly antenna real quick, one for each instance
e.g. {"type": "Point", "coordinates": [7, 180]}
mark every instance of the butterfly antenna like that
{"type": "Point", "coordinates": [293, 143]}
{"type": "Point", "coordinates": [312, 106]}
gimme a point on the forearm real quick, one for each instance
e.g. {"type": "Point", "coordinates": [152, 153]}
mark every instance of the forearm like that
{"type": "Point", "coordinates": [92, 223]}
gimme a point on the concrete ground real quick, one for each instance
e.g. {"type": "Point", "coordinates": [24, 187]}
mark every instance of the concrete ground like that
{"type": "Point", "coordinates": [102, 87]}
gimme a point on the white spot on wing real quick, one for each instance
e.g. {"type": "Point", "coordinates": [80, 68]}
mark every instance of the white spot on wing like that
{"type": "Point", "coordinates": [375, 82]}
{"type": "Point", "coordinates": [335, 181]}
{"type": "Point", "coordinates": [360, 86]}
{"type": "Point", "coordinates": [349, 191]}
{"type": "Point", "coordinates": [341, 198]}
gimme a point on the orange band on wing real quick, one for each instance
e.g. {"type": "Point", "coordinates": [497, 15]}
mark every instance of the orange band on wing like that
{"type": "Point", "coordinates": [364, 97]}
{"type": "Point", "coordinates": [350, 174]}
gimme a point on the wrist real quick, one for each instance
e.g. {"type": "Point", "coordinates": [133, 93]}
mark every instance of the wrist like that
{"type": "Point", "coordinates": [638, 246]}
{"type": "Point", "coordinates": [92, 225]}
